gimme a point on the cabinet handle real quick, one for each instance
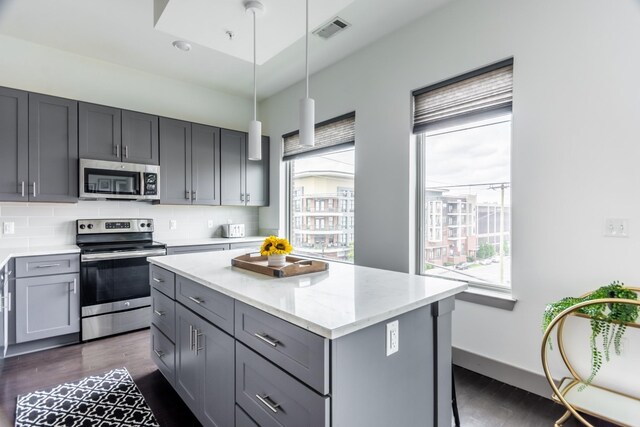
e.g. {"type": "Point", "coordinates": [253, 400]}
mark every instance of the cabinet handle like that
{"type": "Point", "coordinates": [266, 338]}
{"type": "Point", "coordinates": [159, 313]}
{"type": "Point", "coordinates": [196, 300]}
{"type": "Point", "coordinates": [126, 151]}
{"type": "Point", "coordinates": [8, 302]}
{"type": "Point", "coordinates": [268, 403]}
{"type": "Point", "coordinates": [191, 337]}
{"type": "Point", "coordinates": [194, 195]}
{"type": "Point", "coordinates": [159, 353]}
{"type": "Point", "coordinates": [248, 197]}
{"type": "Point", "coordinates": [158, 280]}
{"type": "Point", "coordinates": [47, 265]}
{"type": "Point", "coordinates": [242, 197]}
{"type": "Point", "coordinates": [34, 189]}
{"type": "Point", "coordinates": [198, 348]}
{"type": "Point", "coordinates": [117, 151]}
{"type": "Point", "coordinates": [22, 189]}
{"type": "Point", "coordinates": [187, 193]}
{"type": "Point", "coordinates": [75, 286]}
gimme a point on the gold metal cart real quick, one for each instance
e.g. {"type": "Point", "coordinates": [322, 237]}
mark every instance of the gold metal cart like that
{"type": "Point", "coordinates": [603, 403]}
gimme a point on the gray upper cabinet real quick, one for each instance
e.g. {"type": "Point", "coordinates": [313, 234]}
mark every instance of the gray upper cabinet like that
{"type": "Point", "coordinates": [190, 163]}
{"type": "Point", "coordinates": [175, 164]}
{"type": "Point", "coordinates": [49, 306]}
{"type": "Point", "coordinates": [244, 182]}
{"type": "Point", "coordinates": [99, 132]}
{"type": "Point", "coordinates": [257, 184]}
{"type": "Point", "coordinates": [205, 165]}
{"type": "Point", "coordinates": [233, 147]}
{"type": "Point", "coordinates": [14, 144]}
{"type": "Point", "coordinates": [140, 138]}
{"type": "Point", "coordinates": [53, 149]}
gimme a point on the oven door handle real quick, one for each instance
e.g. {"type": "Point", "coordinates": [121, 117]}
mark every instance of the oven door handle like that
{"type": "Point", "coordinates": [121, 255]}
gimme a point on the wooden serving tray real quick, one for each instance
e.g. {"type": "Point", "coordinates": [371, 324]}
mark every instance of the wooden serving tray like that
{"type": "Point", "coordinates": [294, 266]}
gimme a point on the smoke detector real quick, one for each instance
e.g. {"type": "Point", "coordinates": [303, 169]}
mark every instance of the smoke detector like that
{"type": "Point", "coordinates": [331, 28]}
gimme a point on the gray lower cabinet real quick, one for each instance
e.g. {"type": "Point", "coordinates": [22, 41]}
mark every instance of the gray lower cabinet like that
{"type": "Point", "coordinates": [53, 149]}
{"type": "Point", "coordinates": [14, 144]}
{"type": "Point", "coordinates": [244, 182]}
{"type": "Point", "coordinates": [99, 132]}
{"type": "Point", "coordinates": [190, 163]}
{"type": "Point", "coordinates": [5, 306]}
{"type": "Point", "coordinates": [140, 138]}
{"type": "Point", "coordinates": [243, 420]}
{"type": "Point", "coordinates": [47, 306]}
{"type": "Point", "coordinates": [163, 353]}
{"type": "Point", "coordinates": [204, 369]}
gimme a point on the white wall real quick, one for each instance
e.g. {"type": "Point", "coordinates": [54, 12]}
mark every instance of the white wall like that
{"type": "Point", "coordinates": [576, 122]}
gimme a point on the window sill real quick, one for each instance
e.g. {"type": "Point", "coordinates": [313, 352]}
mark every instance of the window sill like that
{"type": "Point", "coordinates": [496, 299]}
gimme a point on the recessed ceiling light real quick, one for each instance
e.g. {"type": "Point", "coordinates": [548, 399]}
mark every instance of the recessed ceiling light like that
{"type": "Point", "coordinates": [182, 45]}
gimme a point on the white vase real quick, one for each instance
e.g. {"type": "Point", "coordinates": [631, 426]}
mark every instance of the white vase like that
{"type": "Point", "coordinates": [276, 260]}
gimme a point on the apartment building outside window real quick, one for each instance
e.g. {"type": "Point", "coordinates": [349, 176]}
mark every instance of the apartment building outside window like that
{"type": "Point", "coordinates": [464, 134]}
{"type": "Point", "coordinates": [322, 179]}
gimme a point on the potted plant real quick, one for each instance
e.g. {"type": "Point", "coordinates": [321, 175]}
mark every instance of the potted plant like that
{"type": "Point", "coordinates": [607, 320]}
{"type": "Point", "coordinates": [276, 250]}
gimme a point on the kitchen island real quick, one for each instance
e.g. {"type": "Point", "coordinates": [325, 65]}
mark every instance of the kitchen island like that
{"type": "Point", "coordinates": [246, 349]}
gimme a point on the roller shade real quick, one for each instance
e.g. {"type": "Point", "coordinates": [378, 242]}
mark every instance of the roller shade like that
{"type": "Point", "coordinates": [332, 135]}
{"type": "Point", "coordinates": [484, 90]}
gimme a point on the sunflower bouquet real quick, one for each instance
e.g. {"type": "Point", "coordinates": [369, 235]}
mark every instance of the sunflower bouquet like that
{"type": "Point", "coordinates": [273, 245]}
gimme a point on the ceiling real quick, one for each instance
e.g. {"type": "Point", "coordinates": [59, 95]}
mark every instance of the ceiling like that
{"type": "Point", "coordinates": [139, 33]}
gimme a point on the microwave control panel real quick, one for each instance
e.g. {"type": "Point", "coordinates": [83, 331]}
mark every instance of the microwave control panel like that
{"type": "Point", "coordinates": [150, 184]}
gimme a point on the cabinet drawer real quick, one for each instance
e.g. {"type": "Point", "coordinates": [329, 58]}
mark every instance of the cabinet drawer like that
{"type": "Point", "coordinates": [243, 420]}
{"type": "Point", "coordinates": [246, 245]}
{"type": "Point", "coordinates": [212, 305]}
{"type": "Point", "coordinates": [163, 354]}
{"type": "Point", "coordinates": [163, 280]}
{"type": "Point", "coordinates": [163, 313]}
{"type": "Point", "coordinates": [298, 351]}
{"type": "Point", "coordinates": [273, 398]}
{"type": "Point", "coordinates": [47, 265]}
{"type": "Point", "coordinates": [177, 250]}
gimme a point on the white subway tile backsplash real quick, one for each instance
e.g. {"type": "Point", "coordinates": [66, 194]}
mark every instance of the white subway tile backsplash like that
{"type": "Point", "coordinates": [44, 224]}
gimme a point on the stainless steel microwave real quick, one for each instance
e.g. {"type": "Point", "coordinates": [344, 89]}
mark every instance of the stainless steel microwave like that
{"type": "Point", "coordinates": [101, 179]}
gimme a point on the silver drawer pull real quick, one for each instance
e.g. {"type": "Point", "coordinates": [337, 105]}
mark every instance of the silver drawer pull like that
{"type": "Point", "coordinates": [159, 313]}
{"type": "Point", "coordinates": [266, 338]}
{"type": "Point", "coordinates": [47, 265]}
{"type": "Point", "coordinates": [198, 348]}
{"type": "Point", "coordinates": [196, 300]}
{"type": "Point", "coordinates": [191, 329]}
{"type": "Point", "coordinates": [159, 353]}
{"type": "Point", "coordinates": [158, 280]}
{"type": "Point", "coordinates": [268, 403]}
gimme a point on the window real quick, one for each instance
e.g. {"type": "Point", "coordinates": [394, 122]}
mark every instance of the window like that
{"type": "Point", "coordinates": [326, 172]}
{"type": "Point", "coordinates": [464, 135]}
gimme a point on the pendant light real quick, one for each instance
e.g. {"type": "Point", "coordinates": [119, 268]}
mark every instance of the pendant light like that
{"type": "Point", "coordinates": [307, 105]}
{"type": "Point", "coordinates": [255, 127]}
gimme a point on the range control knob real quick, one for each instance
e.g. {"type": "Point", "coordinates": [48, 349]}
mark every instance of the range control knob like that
{"type": "Point", "coordinates": [143, 225]}
{"type": "Point", "coordinates": [148, 224]}
{"type": "Point", "coordinates": [82, 226]}
{"type": "Point", "coordinates": [90, 226]}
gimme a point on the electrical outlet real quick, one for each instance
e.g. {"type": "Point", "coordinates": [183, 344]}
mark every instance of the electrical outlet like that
{"type": "Point", "coordinates": [210, 223]}
{"type": "Point", "coordinates": [173, 224]}
{"type": "Point", "coordinates": [393, 337]}
{"type": "Point", "coordinates": [616, 227]}
{"type": "Point", "coordinates": [229, 221]}
{"type": "Point", "coordinates": [9, 228]}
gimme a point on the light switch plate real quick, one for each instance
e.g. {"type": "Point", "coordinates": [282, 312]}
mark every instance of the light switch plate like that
{"type": "Point", "coordinates": [393, 337]}
{"type": "Point", "coordinates": [616, 227]}
{"type": "Point", "coordinates": [9, 228]}
{"type": "Point", "coordinates": [210, 223]}
{"type": "Point", "coordinates": [173, 224]}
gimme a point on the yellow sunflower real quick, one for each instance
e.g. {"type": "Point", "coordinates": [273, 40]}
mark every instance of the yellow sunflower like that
{"type": "Point", "coordinates": [273, 245]}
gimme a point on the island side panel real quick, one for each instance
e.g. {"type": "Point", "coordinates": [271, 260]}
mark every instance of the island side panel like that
{"type": "Point", "coordinates": [441, 312]}
{"type": "Point", "coordinates": [371, 389]}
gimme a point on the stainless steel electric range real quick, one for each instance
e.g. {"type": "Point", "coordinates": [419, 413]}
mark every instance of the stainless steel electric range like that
{"type": "Point", "coordinates": [114, 274]}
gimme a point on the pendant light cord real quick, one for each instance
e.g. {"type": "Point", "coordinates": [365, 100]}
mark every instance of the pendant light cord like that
{"type": "Point", "coordinates": [307, 48]}
{"type": "Point", "coordinates": [255, 91]}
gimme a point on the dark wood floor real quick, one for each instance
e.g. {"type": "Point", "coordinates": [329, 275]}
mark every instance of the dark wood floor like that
{"type": "Point", "coordinates": [482, 401]}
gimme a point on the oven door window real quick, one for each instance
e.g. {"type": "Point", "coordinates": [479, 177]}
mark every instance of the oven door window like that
{"type": "Point", "coordinates": [114, 280]}
{"type": "Point", "coordinates": [104, 181]}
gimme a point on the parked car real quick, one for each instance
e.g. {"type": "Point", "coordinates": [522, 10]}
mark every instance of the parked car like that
{"type": "Point", "coordinates": [486, 261]}
{"type": "Point", "coordinates": [495, 259]}
{"type": "Point", "coordinates": [462, 266]}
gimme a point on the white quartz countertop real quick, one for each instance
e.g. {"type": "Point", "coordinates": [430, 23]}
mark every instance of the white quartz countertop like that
{"type": "Point", "coordinates": [7, 253]}
{"type": "Point", "coordinates": [332, 303]}
{"type": "Point", "coordinates": [211, 241]}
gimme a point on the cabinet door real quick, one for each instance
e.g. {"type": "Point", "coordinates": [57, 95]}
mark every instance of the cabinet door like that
{"type": "Point", "coordinates": [53, 149]}
{"type": "Point", "coordinates": [14, 144]}
{"type": "Point", "coordinates": [175, 165]}
{"type": "Point", "coordinates": [218, 396]}
{"type": "Point", "coordinates": [188, 364]}
{"type": "Point", "coordinates": [232, 167]}
{"type": "Point", "coordinates": [258, 178]}
{"type": "Point", "coordinates": [49, 306]}
{"type": "Point", "coordinates": [99, 132]}
{"type": "Point", "coordinates": [140, 138]}
{"type": "Point", "coordinates": [205, 165]}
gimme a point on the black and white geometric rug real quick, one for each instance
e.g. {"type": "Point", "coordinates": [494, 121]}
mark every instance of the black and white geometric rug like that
{"type": "Point", "coordinates": [108, 400]}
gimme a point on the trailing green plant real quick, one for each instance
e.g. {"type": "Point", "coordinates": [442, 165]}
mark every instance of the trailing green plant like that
{"type": "Point", "coordinates": [607, 320]}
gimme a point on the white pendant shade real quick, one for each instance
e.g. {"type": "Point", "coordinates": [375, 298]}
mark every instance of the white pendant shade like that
{"type": "Point", "coordinates": [307, 122]}
{"type": "Point", "coordinates": [255, 140]}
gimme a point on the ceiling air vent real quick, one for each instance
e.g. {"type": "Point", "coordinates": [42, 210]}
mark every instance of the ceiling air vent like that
{"type": "Point", "coordinates": [331, 28]}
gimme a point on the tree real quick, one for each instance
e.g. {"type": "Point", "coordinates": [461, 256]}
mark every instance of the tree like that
{"type": "Point", "coordinates": [505, 247]}
{"type": "Point", "coordinates": [485, 251]}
